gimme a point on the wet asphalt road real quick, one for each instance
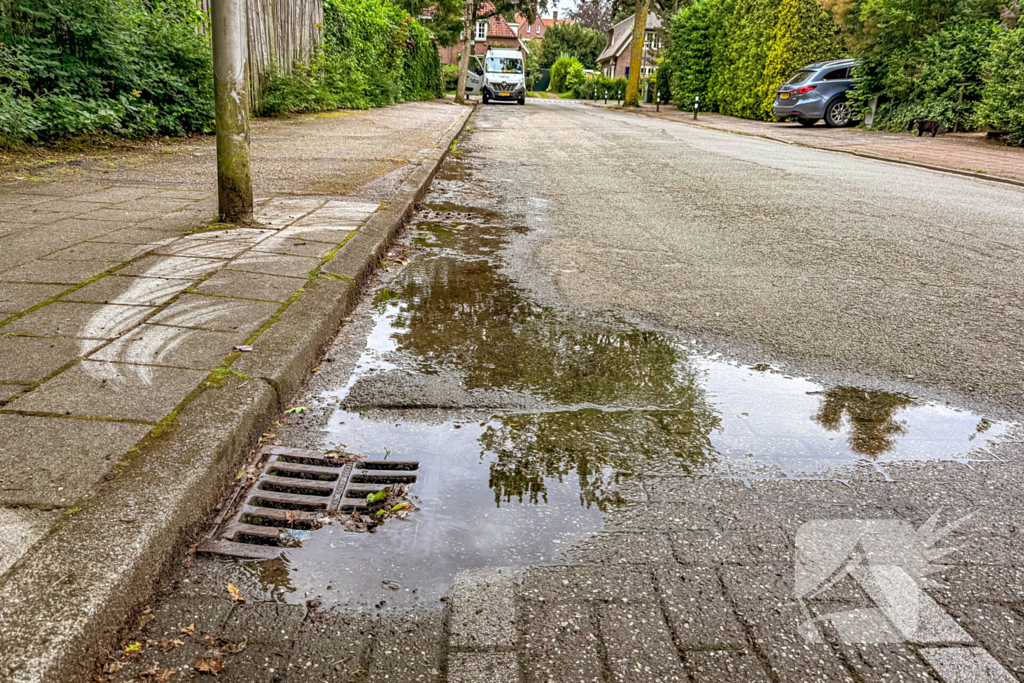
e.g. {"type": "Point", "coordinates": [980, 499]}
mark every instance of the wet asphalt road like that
{"type": "Point", "coordinates": [633, 360]}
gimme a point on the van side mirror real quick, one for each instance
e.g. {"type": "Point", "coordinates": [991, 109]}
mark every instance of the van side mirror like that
{"type": "Point", "coordinates": [479, 71]}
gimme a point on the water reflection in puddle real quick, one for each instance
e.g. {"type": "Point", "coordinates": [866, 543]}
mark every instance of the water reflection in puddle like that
{"type": "Point", "coordinates": [530, 420]}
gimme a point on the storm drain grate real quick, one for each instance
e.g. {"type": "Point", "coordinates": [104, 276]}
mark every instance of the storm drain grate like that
{"type": "Point", "coordinates": [296, 488]}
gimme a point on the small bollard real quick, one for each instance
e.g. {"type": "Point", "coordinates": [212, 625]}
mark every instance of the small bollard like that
{"type": "Point", "coordinates": [657, 101]}
{"type": "Point", "coordinates": [696, 106]}
{"type": "Point", "coordinates": [606, 95]}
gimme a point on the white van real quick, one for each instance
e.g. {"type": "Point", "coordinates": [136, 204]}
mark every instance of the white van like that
{"type": "Point", "coordinates": [500, 76]}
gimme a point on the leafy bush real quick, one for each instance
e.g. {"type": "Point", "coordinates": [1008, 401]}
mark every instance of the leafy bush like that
{"type": "Point", "coordinates": [560, 72]}
{"type": "Point", "coordinates": [128, 67]}
{"type": "Point", "coordinates": [1004, 92]}
{"type": "Point", "coordinates": [595, 88]}
{"type": "Point", "coordinates": [693, 33]}
{"type": "Point", "coordinates": [450, 76]}
{"type": "Point", "coordinates": [373, 54]}
{"type": "Point", "coordinates": [574, 77]}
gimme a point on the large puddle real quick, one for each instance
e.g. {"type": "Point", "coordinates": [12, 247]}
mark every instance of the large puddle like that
{"type": "Point", "coordinates": [529, 420]}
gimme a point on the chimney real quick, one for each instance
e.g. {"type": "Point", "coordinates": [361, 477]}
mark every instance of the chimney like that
{"type": "Point", "coordinates": [556, 17]}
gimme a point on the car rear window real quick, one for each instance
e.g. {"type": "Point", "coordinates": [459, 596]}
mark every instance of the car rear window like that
{"type": "Point", "coordinates": [800, 77]}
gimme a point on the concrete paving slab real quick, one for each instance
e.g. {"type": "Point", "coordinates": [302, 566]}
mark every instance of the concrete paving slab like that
{"type": "Point", "coordinates": [252, 286]}
{"type": "Point", "coordinates": [81, 321]}
{"type": "Point", "coordinates": [56, 462]}
{"type": "Point", "coordinates": [578, 583]}
{"type": "Point", "coordinates": [157, 203]}
{"type": "Point", "coordinates": [483, 667]}
{"type": "Point", "coordinates": [966, 665]}
{"type": "Point", "coordinates": [725, 666]}
{"type": "Point", "coordinates": [165, 345]}
{"type": "Point", "coordinates": [639, 645]}
{"type": "Point", "coordinates": [560, 642]}
{"type": "Point", "coordinates": [137, 235]}
{"type": "Point", "coordinates": [113, 390]}
{"type": "Point", "coordinates": [99, 251]}
{"type": "Point", "coordinates": [16, 199]}
{"type": "Point", "coordinates": [884, 662]}
{"type": "Point", "coordinates": [483, 609]}
{"type": "Point", "coordinates": [332, 646]}
{"type": "Point", "coordinates": [203, 249]}
{"type": "Point", "coordinates": [119, 215]}
{"type": "Point", "coordinates": [293, 246]}
{"type": "Point", "coordinates": [121, 193]}
{"type": "Point", "coordinates": [263, 622]}
{"type": "Point", "coordinates": [133, 291]}
{"type": "Point", "coordinates": [244, 316]}
{"type": "Point", "coordinates": [57, 272]}
{"type": "Point", "coordinates": [697, 608]}
{"type": "Point", "coordinates": [19, 529]}
{"type": "Point", "coordinates": [30, 359]}
{"type": "Point", "coordinates": [408, 647]}
{"type": "Point", "coordinates": [276, 264]}
{"type": "Point", "coordinates": [7, 391]}
{"type": "Point", "coordinates": [15, 297]}
{"type": "Point", "coordinates": [174, 267]}
{"type": "Point", "coordinates": [621, 548]}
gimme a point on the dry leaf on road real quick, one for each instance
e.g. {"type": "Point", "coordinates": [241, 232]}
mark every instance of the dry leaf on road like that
{"type": "Point", "coordinates": [210, 666]}
{"type": "Point", "coordinates": [236, 594]}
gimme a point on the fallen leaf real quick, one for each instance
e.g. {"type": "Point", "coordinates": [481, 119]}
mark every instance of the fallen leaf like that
{"type": "Point", "coordinates": [244, 348]}
{"type": "Point", "coordinates": [133, 650]}
{"type": "Point", "coordinates": [167, 645]}
{"type": "Point", "coordinates": [189, 630]}
{"type": "Point", "coordinates": [209, 666]}
{"type": "Point", "coordinates": [236, 594]}
{"type": "Point", "coordinates": [112, 667]}
{"type": "Point", "coordinates": [296, 410]}
{"type": "Point", "coordinates": [128, 520]}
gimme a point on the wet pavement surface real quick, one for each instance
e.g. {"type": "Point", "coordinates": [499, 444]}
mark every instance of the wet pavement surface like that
{"type": "Point", "coordinates": [602, 497]}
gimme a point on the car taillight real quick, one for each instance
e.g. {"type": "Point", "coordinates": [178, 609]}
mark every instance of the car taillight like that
{"type": "Point", "coordinates": [805, 89]}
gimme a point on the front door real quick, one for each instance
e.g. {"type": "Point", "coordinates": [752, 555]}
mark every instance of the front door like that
{"type": "Point", "coordinates": [474, 77]}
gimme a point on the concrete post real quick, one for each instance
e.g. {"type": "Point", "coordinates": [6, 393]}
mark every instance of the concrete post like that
{"type": "Point", "coordinates": [234, 177]}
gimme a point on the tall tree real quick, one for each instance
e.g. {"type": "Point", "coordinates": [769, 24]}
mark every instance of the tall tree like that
{"type": "Point", "coordinates": [584, 44]}
{"type": "Point", "coordinates": [636, 55]}
{"type": "Point", "coordinates": [443, 18]}
{"type": "Point", "coordinates": [479, 10]}
{"type": "Point", "coordinates": [595, 14]}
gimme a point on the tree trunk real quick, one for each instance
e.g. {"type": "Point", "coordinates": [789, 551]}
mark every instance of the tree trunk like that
{"type": "Point", "coordinates": [636, 55]}
{"type": "Point", "coordinates": [468, 38]}
{"type": "Point", "coordinates": [231, 108]}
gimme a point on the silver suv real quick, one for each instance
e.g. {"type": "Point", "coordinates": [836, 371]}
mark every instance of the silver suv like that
{"type": "Point", "coordinates": [817, 91]}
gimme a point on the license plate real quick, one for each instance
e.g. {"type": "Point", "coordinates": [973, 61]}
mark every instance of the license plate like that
{"type": "Point", "coordinates": [503, 94]}
{"type": "Point", "coordinates": [784, 96]}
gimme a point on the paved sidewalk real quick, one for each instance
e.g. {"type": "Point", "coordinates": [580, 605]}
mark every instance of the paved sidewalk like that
{"type": "Point", "coordinates": [971, 152]}
{"type": "Point", "coordinates": [121, 301]}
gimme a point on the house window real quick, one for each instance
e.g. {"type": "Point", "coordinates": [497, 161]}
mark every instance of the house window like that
{"type": "Point", "coordinates": [652, 40]}
{"type": "Point", "coordinates": [481, 30]}
{"type": "Point", "coordinates": [646, 71]}
{"type": "Point", "coordinates": [528, 27]}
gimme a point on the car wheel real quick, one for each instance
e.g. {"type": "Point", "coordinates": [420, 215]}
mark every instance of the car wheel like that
{"type": "Point", "coordinates": [485, 99]}
{"type": "Point", "coordinates": [807, 122]}
{"type": "Point", "coordinates": [838, 114]}
{"type": "Point", "coordinates": [522, 100]}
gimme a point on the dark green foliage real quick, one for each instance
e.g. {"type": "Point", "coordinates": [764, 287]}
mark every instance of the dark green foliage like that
{"type": "Point", "coordinates": [560, 72]}
{"type": "Point", "coordinates": [1002, 102]}
{"type": "Point", "coordinates": [693, 36]}
{"type": "Point", "coordinates": [572, 40]}
{"type": "Point", "coordinates": [119, 66]}
{"type": "Point", "coordinates": [595, 88]}
{"type": "Point", "coordinates": [374, 54]}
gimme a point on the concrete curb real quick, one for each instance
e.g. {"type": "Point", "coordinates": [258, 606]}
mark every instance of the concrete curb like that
{"type": "Point", "coordinates": [865, 155]}
{"type": "Point", "coordinates": [64, 603]}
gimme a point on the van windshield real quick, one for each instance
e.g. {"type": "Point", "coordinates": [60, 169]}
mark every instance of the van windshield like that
{"type": "Point", "coordinates": [504, 65]}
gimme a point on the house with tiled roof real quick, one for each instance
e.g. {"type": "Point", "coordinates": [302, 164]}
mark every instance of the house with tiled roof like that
{"type": "Point", "coordinates": [614, 60]}
{"type": "Point", "coordinates": [491, 30]}
{"type": "Point", "coordinates": [531, 30]}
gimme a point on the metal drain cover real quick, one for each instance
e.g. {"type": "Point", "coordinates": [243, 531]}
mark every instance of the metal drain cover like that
{"type": "Point", "coordinates": [295, 488]}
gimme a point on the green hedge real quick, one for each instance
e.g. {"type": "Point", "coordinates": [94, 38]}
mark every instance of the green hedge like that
{"type": "Point", "coordinates": [374, 54]}
{"type": "Point", "coordinates": [566, 73]}
{"type": "Point", "coordinates": [126, 67]}
{"type": "Point", "coordinates": [1002, 100]}
{"type": "Point", "coordinates": [595, 88]}
{"type": "Point", "coordinates": [735, 54]}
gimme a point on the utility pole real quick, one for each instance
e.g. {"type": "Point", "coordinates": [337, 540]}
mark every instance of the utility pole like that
{"type": "Point", "coordinates": [234, 177]}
